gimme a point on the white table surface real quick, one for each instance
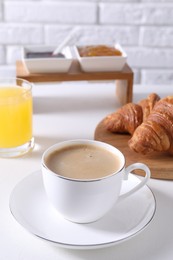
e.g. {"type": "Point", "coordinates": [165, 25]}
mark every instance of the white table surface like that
{"type": "Point", "coordinates": [68, 111]}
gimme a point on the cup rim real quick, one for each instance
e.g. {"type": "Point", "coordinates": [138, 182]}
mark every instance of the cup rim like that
{"type": "Point", "coordinates": [81, 141]}
{"type": "Point", "coordinates": [29, 84]}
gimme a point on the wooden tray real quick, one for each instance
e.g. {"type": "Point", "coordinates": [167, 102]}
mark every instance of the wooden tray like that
{"type": "Point", "coordinates": [161, 165]}
{"type": "Point", "coordinates": [123, 78]}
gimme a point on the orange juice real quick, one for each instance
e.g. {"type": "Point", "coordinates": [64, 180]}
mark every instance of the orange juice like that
{"type": "Point", "coordinates": [15, 116]}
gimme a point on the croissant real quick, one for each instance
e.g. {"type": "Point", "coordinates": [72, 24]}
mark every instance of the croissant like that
{"type": "Point", "coordinates": [148, 103]}
{"type": "Point", "coordinates": [125, 120]}
{"type": "Point", "coordinates": [156, 133]}
{"type": "Point", "coordinates": [130, 116]}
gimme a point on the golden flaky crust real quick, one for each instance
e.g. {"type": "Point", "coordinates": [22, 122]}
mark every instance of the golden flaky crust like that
{"type": "Point", "coordinates": [148, 104]}
{"type": "Point", "coordinates": [130, 116]}
{"type": "Point", "coordinates": [125, 120]}
{"type": "Point", "coordinates": [156, 133]}
{"type": "Point", "coordinates": [150, 122]}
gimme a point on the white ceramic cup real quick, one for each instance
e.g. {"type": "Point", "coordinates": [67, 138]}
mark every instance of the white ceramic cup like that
{"type": "Point", "coordinates": [84, 201]}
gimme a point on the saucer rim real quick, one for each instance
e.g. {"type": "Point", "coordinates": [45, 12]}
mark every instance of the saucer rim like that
{"type": "Point", "coordinates": [83, 246]}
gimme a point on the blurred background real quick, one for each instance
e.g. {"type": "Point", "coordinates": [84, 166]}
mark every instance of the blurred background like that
{"type": "Point", "coordinates": [144, 28]}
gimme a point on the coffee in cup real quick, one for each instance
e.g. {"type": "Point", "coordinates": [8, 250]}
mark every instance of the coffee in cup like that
{"type": "Point", "coordinates": [83, 161]}
{"type": "Point", "coordinates": [83, 178]}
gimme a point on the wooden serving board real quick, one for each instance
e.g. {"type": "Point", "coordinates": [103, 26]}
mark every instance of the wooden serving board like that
{"type": "Point", "coordinates": [161, 165]}
{"type": "Point", "coordinates": [123, 78]}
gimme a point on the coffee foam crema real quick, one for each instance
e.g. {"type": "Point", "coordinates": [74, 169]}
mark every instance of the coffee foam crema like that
{"type": "Point", "coordinates": [83, 161]}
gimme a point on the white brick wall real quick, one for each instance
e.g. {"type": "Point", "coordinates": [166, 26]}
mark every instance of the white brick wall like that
{"type": "Point", "coordinates": [155, 36]}
{"type": "Point", "coordinates": [20, 33]}
{"type": "Point", "coordinates": [127, 35]}
{"type": "Point", "coordinates": [136, 13]}
{"type": "Point", "coordinates": [143, 27]}
{"type": "Point", "coordinates": [63, 12]}
{"type": "Point", "coordinates": [2, 55]}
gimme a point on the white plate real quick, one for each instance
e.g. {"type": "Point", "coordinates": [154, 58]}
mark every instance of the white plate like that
{"type": "Point", "coordinates": [102, 63]}
{"type": "Point", "coordinates": [31, 208]}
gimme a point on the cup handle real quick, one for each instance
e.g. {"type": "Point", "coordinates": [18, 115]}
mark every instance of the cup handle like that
{"type": "Point", "coordinates": [128, 170]}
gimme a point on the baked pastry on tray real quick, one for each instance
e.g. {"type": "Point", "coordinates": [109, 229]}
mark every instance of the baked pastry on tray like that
{"type": "Point", "coordinates": [150, 122]}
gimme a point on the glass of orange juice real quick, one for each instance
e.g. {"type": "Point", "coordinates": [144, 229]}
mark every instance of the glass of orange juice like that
{"type": "Point", "coordinates": [15, 117]}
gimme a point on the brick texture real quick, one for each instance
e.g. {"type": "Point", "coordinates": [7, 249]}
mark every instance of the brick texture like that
{"type": "Point", "coordinates": [157, 36]}
{"type": "Point", "coordinates": [2, 55]}
{"type": "Point", "coordinates": [20, 33]}
{"type": "Point", "coordinates": [159, 76]}
{"type": "Point", "coordinates": [140, 57]}
{"type": "Point", "coordinates": [144, 28]}
{"type": "Point", "coordinates": [1, 11]}
{"type": "Point", "coordinates": [142, 13]}
{"type": "Point", "coordinates": [64, 12]}
{"type": "Point", "coordinates": [93, 34]}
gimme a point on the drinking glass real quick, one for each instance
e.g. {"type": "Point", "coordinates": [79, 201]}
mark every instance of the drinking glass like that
{"type": "Point", "coordinates": [15, 117]}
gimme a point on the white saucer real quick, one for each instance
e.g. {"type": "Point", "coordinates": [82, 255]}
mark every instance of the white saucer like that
{"type": "Point", "coordinates": [31, 208]}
